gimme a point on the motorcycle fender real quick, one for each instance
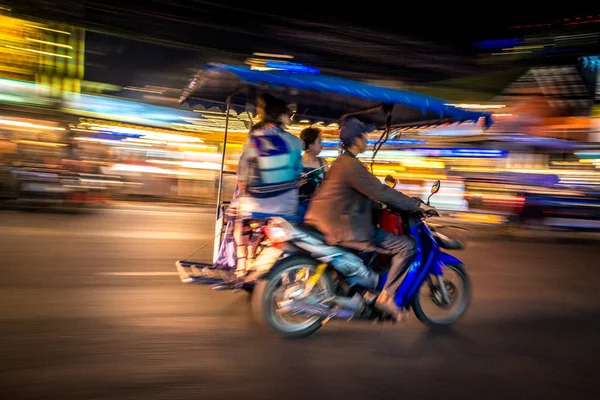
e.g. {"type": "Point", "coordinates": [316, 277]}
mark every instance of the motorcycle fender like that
{"type": "Point", "coordinates": [448, 259]}
{"type": "Point", "coordinates": [268, 257]}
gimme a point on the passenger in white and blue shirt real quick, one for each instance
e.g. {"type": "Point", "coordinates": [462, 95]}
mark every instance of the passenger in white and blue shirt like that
{"type": "Point", "coordinates": [269, 170]}
{"type": "Point", "coordinates": [271, 163]}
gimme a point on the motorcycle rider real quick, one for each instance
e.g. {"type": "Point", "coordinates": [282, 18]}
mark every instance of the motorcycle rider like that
{"type": "Point", "coordinates": [341, 210]}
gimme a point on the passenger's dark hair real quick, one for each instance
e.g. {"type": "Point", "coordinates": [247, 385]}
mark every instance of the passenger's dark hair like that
{"type": "Point", "coordinates": [272, 108]}
{"type": "Point", "coordinates": [309, 135]}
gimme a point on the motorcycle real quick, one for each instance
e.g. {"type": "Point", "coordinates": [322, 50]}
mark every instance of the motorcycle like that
{"type": "Point", "coordinates": [292, 272]}
{"type": "Point", "coordinates": [303, 283]}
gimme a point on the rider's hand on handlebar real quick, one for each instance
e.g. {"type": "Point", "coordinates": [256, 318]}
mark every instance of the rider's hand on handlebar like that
{"type": "Point", "coordinates": [428, 211]}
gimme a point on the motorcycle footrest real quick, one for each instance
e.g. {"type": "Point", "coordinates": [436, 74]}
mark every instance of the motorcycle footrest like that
{"type": "Point", "coordinates": [194, 272]}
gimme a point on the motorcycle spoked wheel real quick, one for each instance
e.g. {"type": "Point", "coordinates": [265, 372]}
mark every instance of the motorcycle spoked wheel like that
{"type": "Point", "coordinates": [268, 292]}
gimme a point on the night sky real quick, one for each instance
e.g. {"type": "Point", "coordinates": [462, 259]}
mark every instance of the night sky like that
{"type": "Point", "coordinates": [157, 42]}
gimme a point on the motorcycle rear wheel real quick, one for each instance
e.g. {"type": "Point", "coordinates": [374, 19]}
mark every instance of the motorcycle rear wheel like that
{"type": "Point", "coordinates": [264, 300]}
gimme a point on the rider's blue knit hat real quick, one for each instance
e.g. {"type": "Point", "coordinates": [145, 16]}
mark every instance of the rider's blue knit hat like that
{"type": "Point", "coordinates": [352, 128]}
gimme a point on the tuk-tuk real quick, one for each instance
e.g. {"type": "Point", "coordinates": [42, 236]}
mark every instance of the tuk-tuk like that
{"type": "Point", "coordinates": [316, 98]}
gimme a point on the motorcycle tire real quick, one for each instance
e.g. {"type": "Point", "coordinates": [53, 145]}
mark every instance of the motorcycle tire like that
{"type": "Point", "coordinates": [262, 298]}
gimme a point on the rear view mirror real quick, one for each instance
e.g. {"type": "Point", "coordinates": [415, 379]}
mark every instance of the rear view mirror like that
{"type": "Point", "coordinates": [436, 187]}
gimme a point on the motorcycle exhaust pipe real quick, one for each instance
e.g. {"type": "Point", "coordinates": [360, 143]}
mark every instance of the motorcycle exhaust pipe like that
{"type": "Point", "coordinates": [349, 307]}
{"type": "Point", "coordinates": [311, 310]}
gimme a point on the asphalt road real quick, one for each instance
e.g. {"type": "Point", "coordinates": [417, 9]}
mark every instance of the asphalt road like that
{"type": "Point", "coordinates": [91, 308]}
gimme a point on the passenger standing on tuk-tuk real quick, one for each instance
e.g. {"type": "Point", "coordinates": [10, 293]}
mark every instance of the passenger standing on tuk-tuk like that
{"type": "Point", "coordinates": [269, 170]}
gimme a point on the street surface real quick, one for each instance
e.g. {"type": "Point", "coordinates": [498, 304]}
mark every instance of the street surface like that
{"type": "Point", "coordinates": [91, 308]}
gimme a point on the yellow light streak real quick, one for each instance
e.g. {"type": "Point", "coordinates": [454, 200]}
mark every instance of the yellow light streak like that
{"type": "Point", "coordinates": [64, 46]}
{"type": "Point", "coordinates": [47, 29]}
{"type": "Point", "coordinates": [38, 52]}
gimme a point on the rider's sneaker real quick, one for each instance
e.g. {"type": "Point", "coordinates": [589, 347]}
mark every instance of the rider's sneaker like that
{"type": "Point", "coordinates": [369, 297]}
{"type": "Point", "coordinates": [386, 304]}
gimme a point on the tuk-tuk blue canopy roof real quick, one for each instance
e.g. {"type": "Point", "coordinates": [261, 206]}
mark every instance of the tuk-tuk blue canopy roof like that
{"type": "Point", "coordinates": [319, 97]}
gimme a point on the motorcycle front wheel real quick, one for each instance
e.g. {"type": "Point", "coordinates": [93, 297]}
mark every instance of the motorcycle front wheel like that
{"type": "Point", "coordinates": [429, 305]}
{"type": "Point", "coordinates": [285, 277]}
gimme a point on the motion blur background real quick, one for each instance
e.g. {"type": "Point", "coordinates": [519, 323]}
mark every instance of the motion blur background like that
{"type": "Point", "coordinates": [89, 111]}
{"type": "Point", "coordinates": [90, 124]}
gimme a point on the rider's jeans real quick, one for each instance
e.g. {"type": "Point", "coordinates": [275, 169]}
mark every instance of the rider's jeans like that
{"type": "Point", "coordinates": [403, 250]}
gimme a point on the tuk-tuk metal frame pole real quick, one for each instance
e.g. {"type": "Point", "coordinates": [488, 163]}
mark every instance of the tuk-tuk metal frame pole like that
{"type": "Point", "coordinates": [220, 189]}
{"type": "Point", "coordinates": [385, 135]}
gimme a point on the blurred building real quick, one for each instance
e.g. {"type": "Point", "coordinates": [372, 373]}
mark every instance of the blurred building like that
{"type": "Point", "coordinates": [48, 53]}
{"type": "Point", "coordinates": [551, 42]}
{"type": "Point", "coordinates": [549, 101]}
{"type": "Point", "coordinates": [148, 147]}
{"type": "Point", "coordinates": [38, 62]}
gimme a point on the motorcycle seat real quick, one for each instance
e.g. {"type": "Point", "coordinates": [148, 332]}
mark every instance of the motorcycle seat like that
{"type": "Point", "coordinates": [367, 251]}
{"type": "Point", "coordinates": [261, 216]}
{"type": "Point", "coordinates": [311, 230]}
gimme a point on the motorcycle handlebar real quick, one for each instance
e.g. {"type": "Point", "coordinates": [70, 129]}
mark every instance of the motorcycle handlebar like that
{"type": "Point", "coordinates": [419, 214]}
{"type": "Point", "coordinates": [431, 213]}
